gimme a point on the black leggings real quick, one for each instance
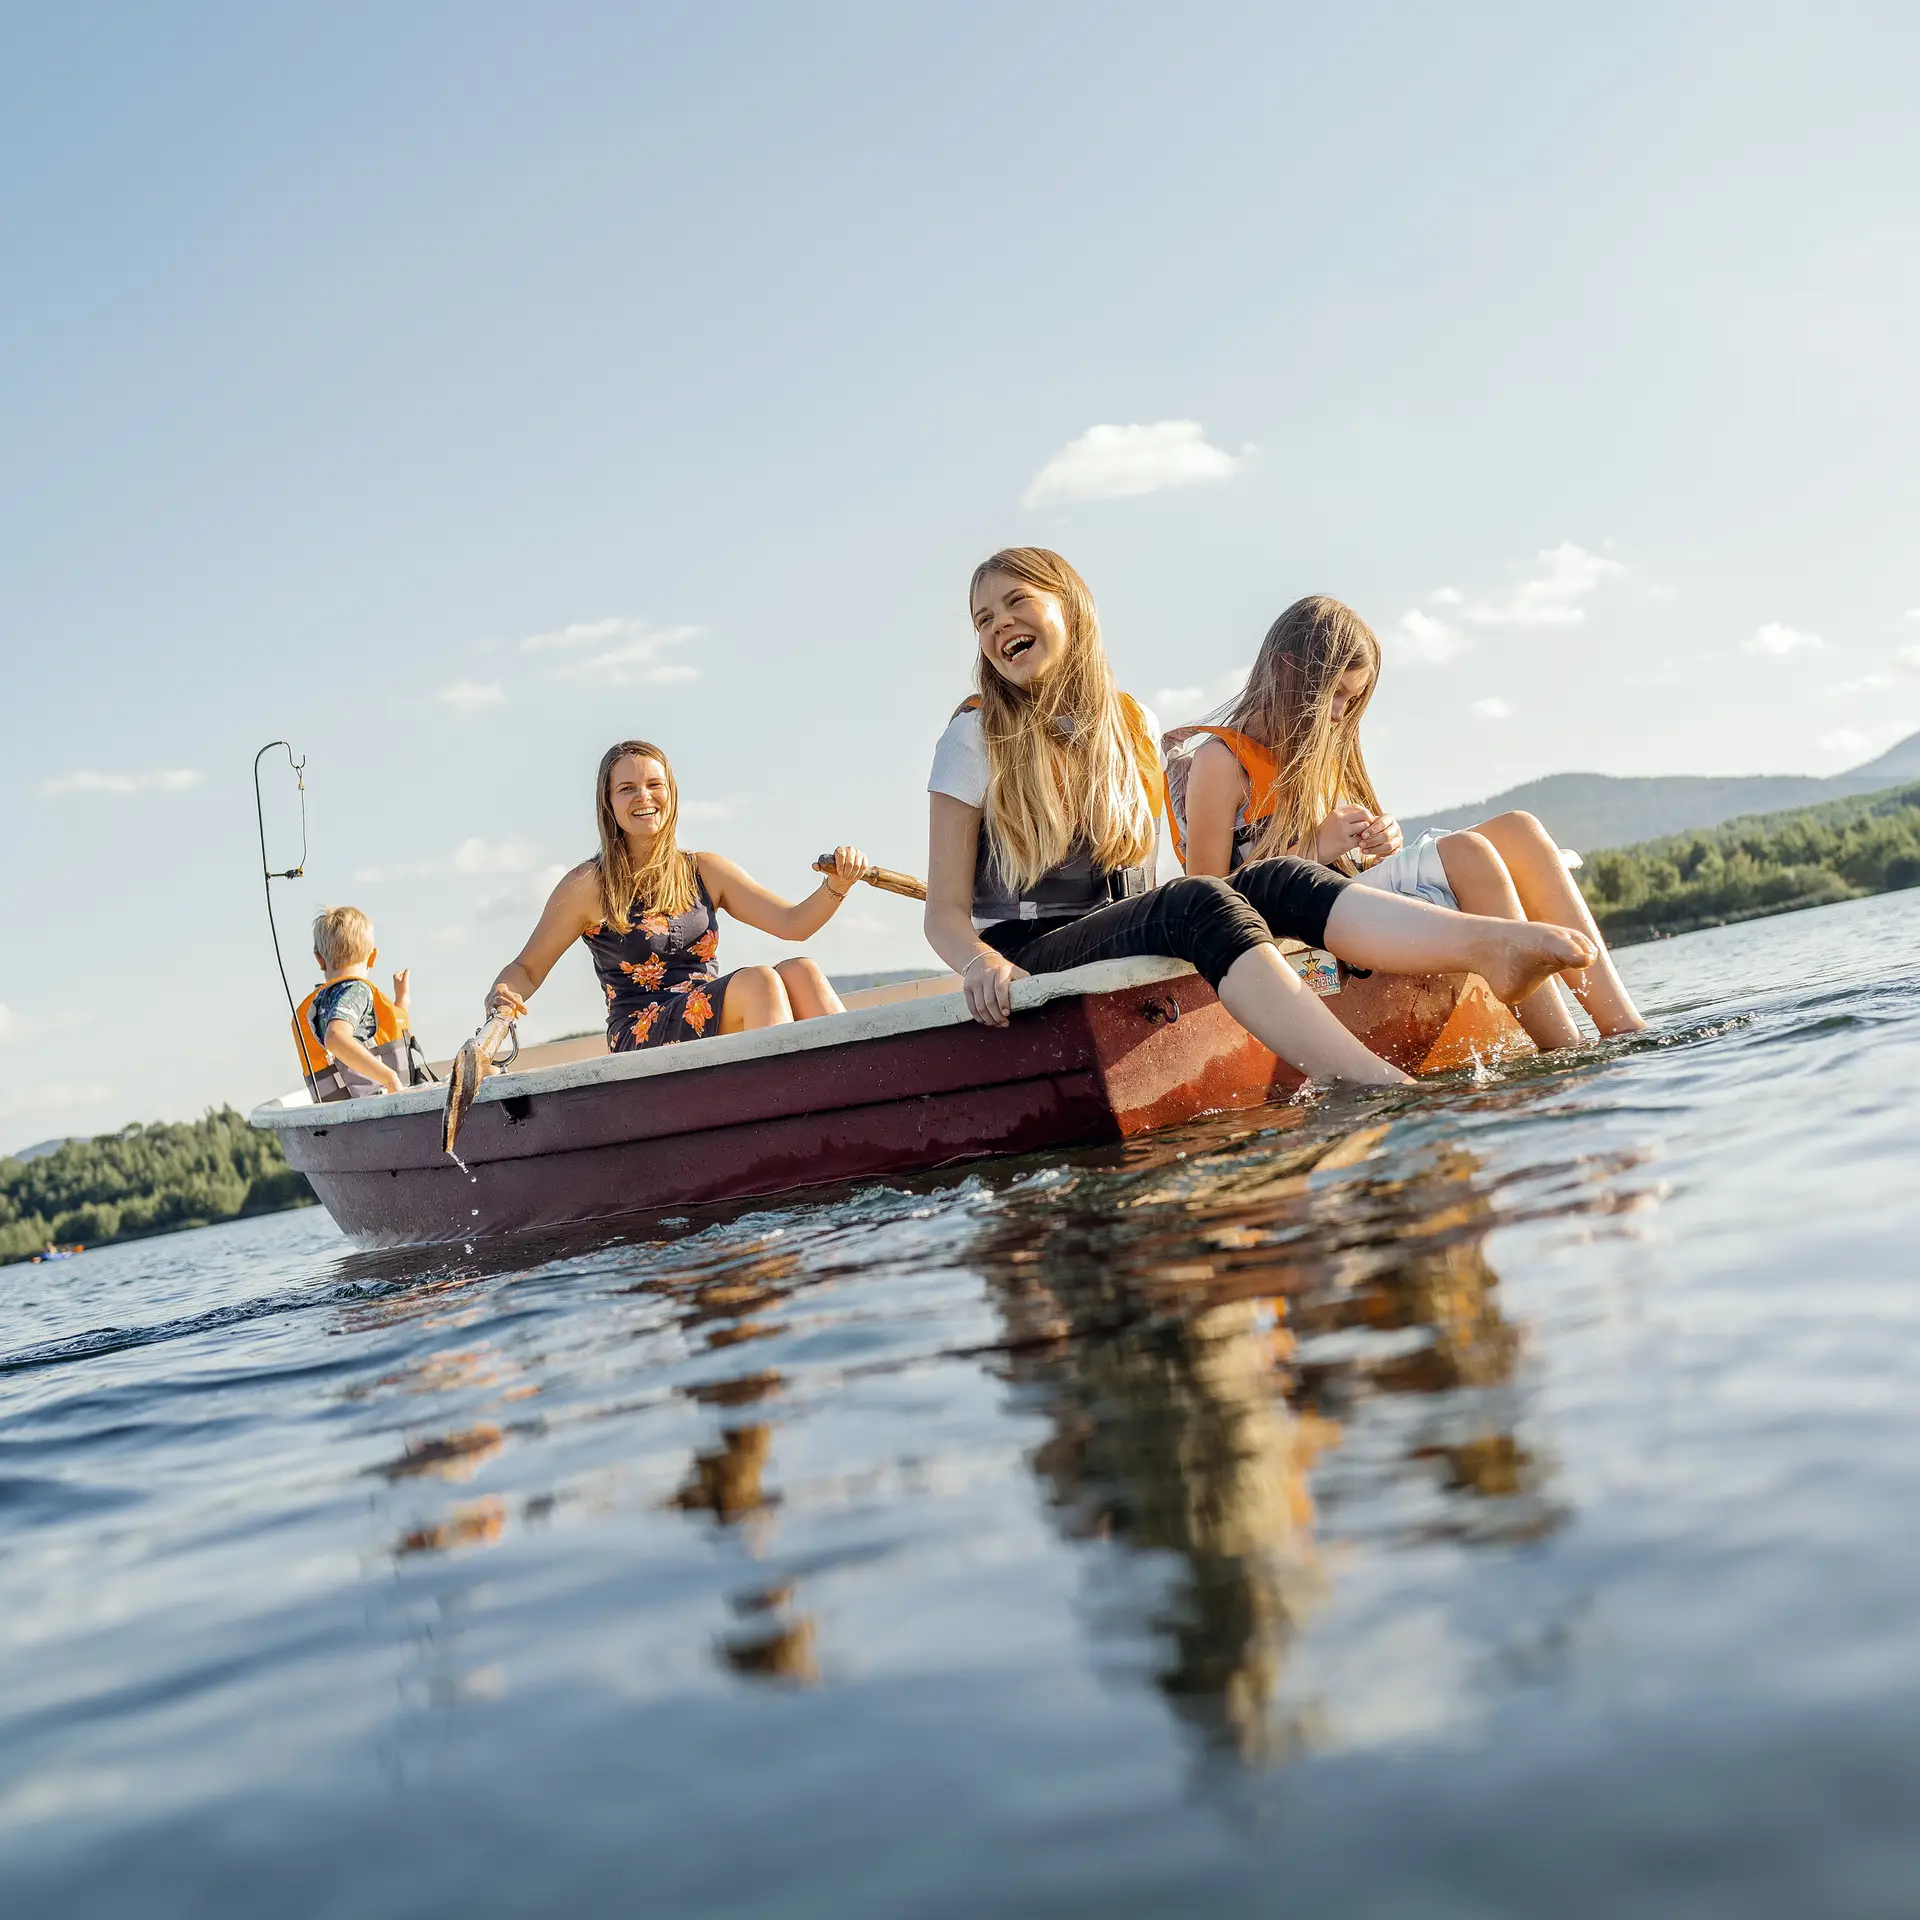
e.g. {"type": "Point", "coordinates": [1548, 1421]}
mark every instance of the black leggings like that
{"type": "Point", "coordinates": [1200, 919]}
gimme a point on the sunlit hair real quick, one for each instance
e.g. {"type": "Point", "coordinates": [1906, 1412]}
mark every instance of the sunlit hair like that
{"type": "Point", "coordinates": [666, 881]}
{"type": "Point", "coordinates": [1061, 768]}
{"type": "Point", "coordinates": [1287, 707]}
{"type": "Point", "coordinates": [342, 937]}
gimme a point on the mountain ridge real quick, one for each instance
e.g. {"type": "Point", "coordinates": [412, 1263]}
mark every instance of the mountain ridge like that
{"type": "Point", "coordinates": [1594, 811]}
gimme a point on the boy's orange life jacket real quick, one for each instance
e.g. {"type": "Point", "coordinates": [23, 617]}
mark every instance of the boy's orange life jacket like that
{"type": "Point", "coordinates": [1256, 762]}
{"type": "Point", "coordinates": [389, 1024]}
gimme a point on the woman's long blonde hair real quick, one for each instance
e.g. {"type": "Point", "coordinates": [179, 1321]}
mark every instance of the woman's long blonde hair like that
{"type": "Point", "coordinates": [667, 880]}
{"type": "Point", "coordinates": [1287, 706]}
{"type": "Point", "coordinates": [1061, 769]}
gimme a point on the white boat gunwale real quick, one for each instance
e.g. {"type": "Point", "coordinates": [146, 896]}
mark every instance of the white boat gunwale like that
{"type": "Point", "coordinates": [921, 1015]}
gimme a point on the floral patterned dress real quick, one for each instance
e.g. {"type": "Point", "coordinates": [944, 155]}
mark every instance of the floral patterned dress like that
{"type": "Point", "coordinates": [660, 978]}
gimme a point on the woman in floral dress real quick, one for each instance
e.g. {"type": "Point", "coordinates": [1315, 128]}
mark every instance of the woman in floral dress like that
{"type": "Point", "coordinates": [650, 917]}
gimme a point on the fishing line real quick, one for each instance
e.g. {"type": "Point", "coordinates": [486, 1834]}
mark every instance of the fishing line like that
{"type": "Point", "coordinates": [268, 876]}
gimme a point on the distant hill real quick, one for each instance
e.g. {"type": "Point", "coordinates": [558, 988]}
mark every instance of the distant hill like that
{"type": "Point", "coordinates": [1769, 863]}
{"type": "Point", "coordinates": [41, 1148]}
{"type": "Point", "coordinates": [1594, 810]}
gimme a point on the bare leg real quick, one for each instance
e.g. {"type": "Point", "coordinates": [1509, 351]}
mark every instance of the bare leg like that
{"type": "Point", "coordinates": [1389, 932]}
{"type": "Point", "coordinates": [756, 997]}
{"type": "Point", "coordinates": [1481, 884]}
{"type": "Point", "coordinates": [1547, 891]}
{"type": "Point", "coordinates": [1265, 995]}
{"type": "Point", "coordinates": [808, 991]}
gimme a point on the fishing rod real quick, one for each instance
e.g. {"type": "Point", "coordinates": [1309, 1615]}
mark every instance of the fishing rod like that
{"type": "Point", "coordinates": [268, 876]}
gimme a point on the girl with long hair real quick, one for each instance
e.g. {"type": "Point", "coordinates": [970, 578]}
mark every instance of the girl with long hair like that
{"type": "Point", "coordinates": [1045, 792]}
{"type": "Point", "coordinates": [650, 916]}
{"type": "Point", "coordinates": [1282, 773]}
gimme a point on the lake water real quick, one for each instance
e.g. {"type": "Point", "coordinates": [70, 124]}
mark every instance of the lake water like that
{"type": "Point", "coordinates": [1512, 1511]}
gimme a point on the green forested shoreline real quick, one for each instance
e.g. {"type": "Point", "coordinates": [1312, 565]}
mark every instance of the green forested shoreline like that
{"type": "Point", "coordinates": [1764, 863]}
{"type": "Point", "coordinates": [121, 1186]}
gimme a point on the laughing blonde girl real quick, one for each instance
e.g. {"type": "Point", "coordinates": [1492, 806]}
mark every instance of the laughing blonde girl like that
{"type": "Point", "coordinates": [1282, 773]}
{"type": "Point", "coordinates": [1044, 802]}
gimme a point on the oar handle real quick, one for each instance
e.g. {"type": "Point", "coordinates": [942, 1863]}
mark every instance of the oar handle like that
{"type": "Point", "coordinates": [882, 877]}
{"type": "Point", "coordinates": [500, 1027]}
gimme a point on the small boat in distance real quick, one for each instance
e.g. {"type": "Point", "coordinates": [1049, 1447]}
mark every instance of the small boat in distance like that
{"type": "Point", "coordinates": [903, 1082]}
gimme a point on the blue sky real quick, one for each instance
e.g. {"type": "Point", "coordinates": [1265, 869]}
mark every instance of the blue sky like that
{"type": "Point", "coordinates": [452, 390]}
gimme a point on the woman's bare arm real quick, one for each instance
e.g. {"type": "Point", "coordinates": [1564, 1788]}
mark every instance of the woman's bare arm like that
{"type": "Point", "coordinates": [737, 892]}
{"type": "Point", "coordinates": [1216, 791]}
{"type": "Point", "coordinates": [572, 907]}
{"type": "Point", "coordinates": [952, 848]}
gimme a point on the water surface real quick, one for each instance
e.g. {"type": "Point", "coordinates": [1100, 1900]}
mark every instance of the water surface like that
{"type": "Point", "coordinates": [1499, 1503]}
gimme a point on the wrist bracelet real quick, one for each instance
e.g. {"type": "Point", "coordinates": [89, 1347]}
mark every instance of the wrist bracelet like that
{"type": "Point", "coordinates": [975, 961]}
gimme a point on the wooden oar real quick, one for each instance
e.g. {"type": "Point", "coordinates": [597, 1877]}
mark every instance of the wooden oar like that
{"type": "Point", "coordinates": [469, 1069]}
{"type": "Point", "coordinates": [882, 877]}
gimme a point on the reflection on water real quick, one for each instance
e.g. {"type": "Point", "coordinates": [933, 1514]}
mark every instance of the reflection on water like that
{"type": "Point", "coordinates": [1190, 1398]}
{"type": "Point", "coordinates": [1493, 1501]}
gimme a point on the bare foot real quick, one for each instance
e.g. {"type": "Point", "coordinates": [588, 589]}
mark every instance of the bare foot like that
{"type": "Point", "coordinates": [1521, 955]}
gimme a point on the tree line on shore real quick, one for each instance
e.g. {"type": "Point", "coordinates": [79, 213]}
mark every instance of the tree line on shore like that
{"type": "Point", "coordinates": [1759, 864]}
{"type": "Point", "coordinates": [143, 1180]}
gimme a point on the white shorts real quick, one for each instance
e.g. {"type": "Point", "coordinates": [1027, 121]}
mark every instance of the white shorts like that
{"type": "Point", "coordinates": [1416, 871]}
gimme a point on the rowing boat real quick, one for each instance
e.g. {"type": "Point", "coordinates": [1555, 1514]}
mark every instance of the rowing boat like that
{"type": "Point", "coordinates": [902, 1084]}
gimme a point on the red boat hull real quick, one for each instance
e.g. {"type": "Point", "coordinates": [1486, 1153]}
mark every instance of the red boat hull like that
{"type": "Point", "coordinates": [1094, 1067]}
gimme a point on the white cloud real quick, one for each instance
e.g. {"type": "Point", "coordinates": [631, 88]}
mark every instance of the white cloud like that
{"type": "Point", "coordinates": [1422, 639]}
{"type": "Point", "coordinates": [1780, 641]}
{"type": "Point", "coordinates": [470, 696]}
{"type": "Point", "coordinates": [521, 900]}
{"type": "Point", "coordinates": [617, 653]}
{"type": "Point", "coordinates": [55, 1096]}
{"type": "Point", "coordinates": [1117, 463]}
{"type": "Point", "coordinates": [1867, 683]}
{"type": "Point", "coordinates": [483, 856]}
{"type": "Point", "coordinates": [1908, 657]}
{"type": "Point", "coordinates": [1550, 596]}
{"type": "Point", "coordinates": [1493, 708]}
{"type": "Point", "coordinates": [729, 808]}
{"type": "Point", "coordinates": [1446, 597]}
{"type": "Point", "coordinates": [13, 1027]}
{"type": "Point", "coordinates": [1180, 706]}
{"type": "Point", "coordinates": [409, 870]}
{"type": "Point", "coordinates": [1913, 613]}
{"type": "Point", "coordinates": [161, 780]}
{"type": "Point", "coordinates": [1858, 743]}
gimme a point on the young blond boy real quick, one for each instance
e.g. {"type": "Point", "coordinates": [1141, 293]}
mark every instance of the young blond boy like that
{"type": "Point", "coordinates": [344, 1009]}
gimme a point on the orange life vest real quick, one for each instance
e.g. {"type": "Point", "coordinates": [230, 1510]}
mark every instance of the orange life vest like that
{"type": "Point", "coordinates": [1256, 762]}
{"type": "Point", "coordinates": [389, 1024]}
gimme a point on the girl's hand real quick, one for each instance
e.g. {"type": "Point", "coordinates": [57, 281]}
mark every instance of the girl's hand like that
{"type": "Point", "coordinates": [503, 999]}
{"type": "Point", "coordinates": [988, 981]}
{"type": "Point", "coordinates": [1382, 837]}
{"type": "Point", "coordinates": [1341, 832]}
{"type": "Point", "coordinates": [850, 866]}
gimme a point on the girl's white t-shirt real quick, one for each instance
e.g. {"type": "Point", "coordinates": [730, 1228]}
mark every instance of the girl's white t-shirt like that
{"type": "Point", "coordinates": [960, 757]}
{"type": "Point", "coordinates": [960, 761]}
{"type": "Point", "coordinates": [960, 767]}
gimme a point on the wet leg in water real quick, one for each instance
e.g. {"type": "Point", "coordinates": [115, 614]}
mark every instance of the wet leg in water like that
{"type": "Point", "coordinates": [1482, 884]}
{"type": "Point", "coordinates": [1548, 892]}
